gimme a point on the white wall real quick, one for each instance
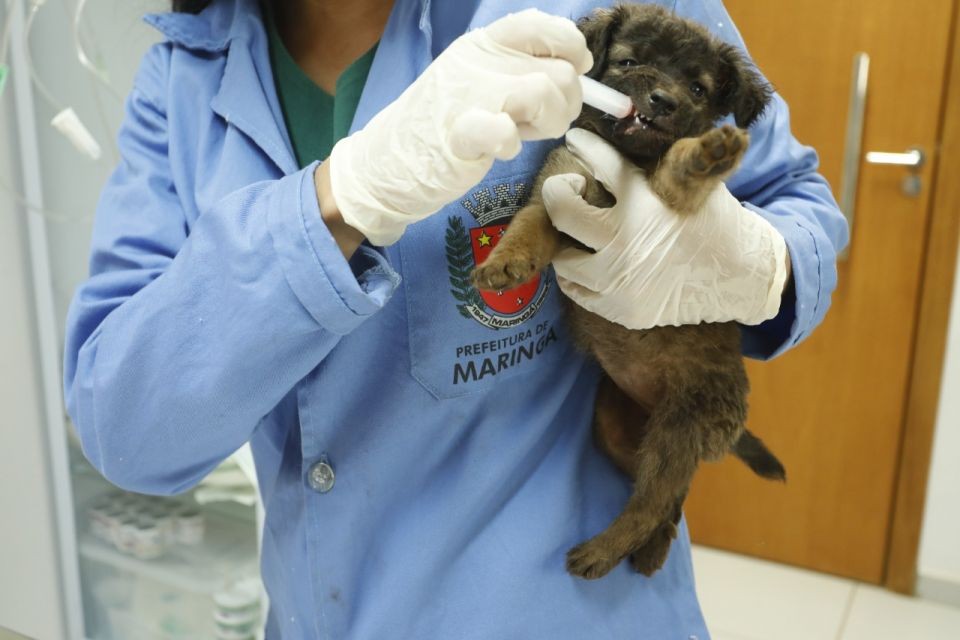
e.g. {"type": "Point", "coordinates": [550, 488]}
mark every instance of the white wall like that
{"type": "Point", "coordinates": [72, 183]}
{"type": "Point", "coordinates": [30, 580]}
{"type": "Point", "coordinates": [29, 575]}
{"type": "Point", "coordinates": [939, 561]}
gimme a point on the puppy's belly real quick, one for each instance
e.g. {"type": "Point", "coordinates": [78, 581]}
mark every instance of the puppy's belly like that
{"type": "Point", "coordinates": [630, 358]}
{"type": "Point", "coordinates": [636, 379]}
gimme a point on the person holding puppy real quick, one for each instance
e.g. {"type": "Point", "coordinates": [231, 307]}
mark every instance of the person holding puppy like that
{"type": "Point", "coordinates": [281, 256]}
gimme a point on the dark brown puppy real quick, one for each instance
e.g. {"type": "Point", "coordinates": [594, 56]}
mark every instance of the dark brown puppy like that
{"type": "Point", "coordinates": [674, 395]}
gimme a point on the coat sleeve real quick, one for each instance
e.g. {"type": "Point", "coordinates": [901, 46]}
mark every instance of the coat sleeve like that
{"type": "Point", "coordinates": [779, 180]}
{"type": "Point", "coordinates": [181, 341]}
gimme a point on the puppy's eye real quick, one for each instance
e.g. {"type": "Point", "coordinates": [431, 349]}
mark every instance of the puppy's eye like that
{"type": "Point", "coordinates": [698, 89]}
{"type": "Point", "coordinates": [627, 62]}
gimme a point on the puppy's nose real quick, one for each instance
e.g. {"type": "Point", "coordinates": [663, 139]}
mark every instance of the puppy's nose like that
{"type": "Point", "coordinates": [662, 103]}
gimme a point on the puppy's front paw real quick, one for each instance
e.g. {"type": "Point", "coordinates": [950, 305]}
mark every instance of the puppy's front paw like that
{"type": "Point", "coordinates": [719, 151]}
{"type": "Point", "coordinates": [590, 560]}
{"type": "Point", "coordinates": [649, 558]}
{"type": "Point", "coordinates": [504, 270]}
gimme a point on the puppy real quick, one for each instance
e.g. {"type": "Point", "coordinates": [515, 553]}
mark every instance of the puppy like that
{"type": "Point", "coordinates": [672, 396]}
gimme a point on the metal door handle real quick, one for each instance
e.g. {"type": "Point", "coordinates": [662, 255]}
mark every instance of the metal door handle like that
{"type": "Point", "coordinates": [913, 158]}
{"type": "Point", "coordinates": [853, 141]}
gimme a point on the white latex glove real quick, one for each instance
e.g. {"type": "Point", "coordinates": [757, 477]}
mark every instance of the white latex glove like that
{"type": "Point", "coordinates": [653, 266]}
{"type": "Point", "coordinates": [516, 79]}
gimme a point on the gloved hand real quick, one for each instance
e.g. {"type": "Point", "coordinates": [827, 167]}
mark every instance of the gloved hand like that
{"type": "Point", "coordinates": [653, 266]}
{"type": "Point", "coordinates": [516, 79]}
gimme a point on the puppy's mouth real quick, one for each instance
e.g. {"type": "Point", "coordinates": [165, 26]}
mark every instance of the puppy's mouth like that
{"type": "Point", "coordinates": [639, 123]}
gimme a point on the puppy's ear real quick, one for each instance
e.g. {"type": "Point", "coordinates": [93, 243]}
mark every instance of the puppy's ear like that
{"type": "Point", "coordinates": [743, 91]}
{"type": "Point", "coordinates": [598, 28]}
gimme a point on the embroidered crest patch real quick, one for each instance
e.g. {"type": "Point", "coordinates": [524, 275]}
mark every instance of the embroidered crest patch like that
{"type": "Point", "coordinates": [466, 248]}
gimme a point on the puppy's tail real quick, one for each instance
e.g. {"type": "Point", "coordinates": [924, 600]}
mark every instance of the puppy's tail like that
{"type": "Point", "coordinates": [755, 455]}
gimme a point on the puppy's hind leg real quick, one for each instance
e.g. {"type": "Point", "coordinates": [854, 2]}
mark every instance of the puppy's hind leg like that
{"type": "Point", "coordinates": [649, 558]}
{"type": "Point", "coordinates": [619, 426]}
{"type": "Point", "coordinates": [665, 465]}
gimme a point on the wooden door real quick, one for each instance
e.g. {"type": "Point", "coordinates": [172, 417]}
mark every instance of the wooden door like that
{"type": "Point", "coordinates": [833, 408]}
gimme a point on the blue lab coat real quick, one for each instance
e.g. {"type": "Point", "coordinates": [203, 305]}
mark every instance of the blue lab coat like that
{"type": "Point", "coordinates": [454, 429]}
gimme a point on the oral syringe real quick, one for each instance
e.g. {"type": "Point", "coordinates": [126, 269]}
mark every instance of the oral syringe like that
{"type": "Point", "coordinates": [606, 99]}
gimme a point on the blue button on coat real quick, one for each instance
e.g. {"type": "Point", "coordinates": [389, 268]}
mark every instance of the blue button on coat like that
{"type": "Point", "coordinates": [219, 311]}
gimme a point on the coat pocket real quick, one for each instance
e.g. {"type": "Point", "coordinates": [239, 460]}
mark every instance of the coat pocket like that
{"type": "Point", "coordinates": [464, 341]}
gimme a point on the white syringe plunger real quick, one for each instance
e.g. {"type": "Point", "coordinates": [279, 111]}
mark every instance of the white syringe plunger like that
{"type": "Point", "coordinates": [605, 98]}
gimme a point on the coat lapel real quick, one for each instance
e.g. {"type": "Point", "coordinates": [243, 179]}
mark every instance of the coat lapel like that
{"type": "Point", "coordinates": [247, 98]}
{"type": "Point", "coordinates": [403, 54]}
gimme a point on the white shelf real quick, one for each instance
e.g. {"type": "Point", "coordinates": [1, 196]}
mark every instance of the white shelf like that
{"type": "Point", "coordinates": [228, 551]}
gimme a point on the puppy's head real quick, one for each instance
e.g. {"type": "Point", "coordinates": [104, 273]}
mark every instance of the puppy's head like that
{"type": "Point", "coordinates": [680, 77]}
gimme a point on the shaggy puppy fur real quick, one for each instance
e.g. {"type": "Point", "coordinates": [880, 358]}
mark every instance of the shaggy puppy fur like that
{"type": "Point", "coordinates": [672, 395]}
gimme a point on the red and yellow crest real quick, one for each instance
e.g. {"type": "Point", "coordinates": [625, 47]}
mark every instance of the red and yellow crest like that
{"type": "Point", "coordinates": [466, 248]}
